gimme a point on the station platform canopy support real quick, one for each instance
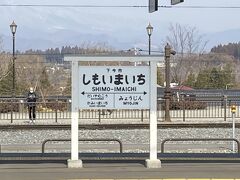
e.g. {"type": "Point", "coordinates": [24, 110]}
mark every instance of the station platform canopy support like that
{"type": "Point", "coordinates": [83, 80]}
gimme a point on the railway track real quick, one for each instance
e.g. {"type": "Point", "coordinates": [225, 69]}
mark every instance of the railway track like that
{"type": "Point", "coordinates": [119, 126]}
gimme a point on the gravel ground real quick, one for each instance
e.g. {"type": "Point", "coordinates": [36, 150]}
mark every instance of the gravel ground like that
{"type": "Point", "coordinates": [134, 136]}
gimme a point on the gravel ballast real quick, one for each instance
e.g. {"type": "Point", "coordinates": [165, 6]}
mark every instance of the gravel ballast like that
{"type": "Point", "coordinates": [127, 136]}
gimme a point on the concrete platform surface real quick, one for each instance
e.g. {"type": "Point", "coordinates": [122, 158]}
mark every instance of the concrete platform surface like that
{"type": "Point", "coordinates": [177, 171]}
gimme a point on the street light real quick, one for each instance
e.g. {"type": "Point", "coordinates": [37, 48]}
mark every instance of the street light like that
{"type": "Point", "coordinates": [13, 28]}
{"type": "Point", "coordinates": [149, 32]}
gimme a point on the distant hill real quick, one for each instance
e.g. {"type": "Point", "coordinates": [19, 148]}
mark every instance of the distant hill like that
{"type": "Point", "coordinates": [224, 38]}
{"type": "Point", "coordinates": [232, 49]}
{"type": "Point", "coordinates": [67, 37]}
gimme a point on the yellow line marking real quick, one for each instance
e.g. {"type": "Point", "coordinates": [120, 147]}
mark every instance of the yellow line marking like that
{"type": "Point", "coordinates": [221, 179]}
{"type": "Point", "coordinates": [160, 179]}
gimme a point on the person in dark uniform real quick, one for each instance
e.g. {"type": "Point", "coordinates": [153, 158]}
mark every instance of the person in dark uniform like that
{"type": "Point", "coordinates": [31, 103]}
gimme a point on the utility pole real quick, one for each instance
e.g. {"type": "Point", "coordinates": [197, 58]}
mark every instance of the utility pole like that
{"type": "Point", "coordinates": [167, 92]}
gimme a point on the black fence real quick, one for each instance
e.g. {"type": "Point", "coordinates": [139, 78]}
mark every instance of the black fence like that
{"type": "Point", "coordinates": [183, 108]}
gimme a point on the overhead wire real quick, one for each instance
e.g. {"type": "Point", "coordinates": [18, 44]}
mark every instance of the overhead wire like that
{"type": "Point", "coordinates": [115, 6]}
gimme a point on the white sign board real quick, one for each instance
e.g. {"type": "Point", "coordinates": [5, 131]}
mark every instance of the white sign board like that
{"type": "Point", "coordinates": [114, 87]}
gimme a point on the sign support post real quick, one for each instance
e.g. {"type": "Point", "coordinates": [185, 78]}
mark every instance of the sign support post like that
{"type": "Point", "coordinates": [74, 162]}
{"type": "Point", "coordinates": [153, 161]}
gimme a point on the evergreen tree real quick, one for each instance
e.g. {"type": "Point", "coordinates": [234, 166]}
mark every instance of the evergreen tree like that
{"type": "Point", "coordinates": [202, 79]}
{"type": "Point", "coordinates": [215, 78]}
{"type": "Point", "coordinates": [190, 80]}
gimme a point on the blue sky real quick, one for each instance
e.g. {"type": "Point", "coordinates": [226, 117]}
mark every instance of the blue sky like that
{"type": "Point", "coordinates": [122, 28]}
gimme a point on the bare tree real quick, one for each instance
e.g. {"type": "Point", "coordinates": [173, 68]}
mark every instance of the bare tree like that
{"type": "Point", "coordinates": [188, 44]}
{"type": "Point", "coordinates": [5, 62]}
{"type": "Point", "coordinates": [28, 70]}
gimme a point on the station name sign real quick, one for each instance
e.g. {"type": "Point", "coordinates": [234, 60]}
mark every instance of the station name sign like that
{"type": "Point", "coordinates": [114, 87]}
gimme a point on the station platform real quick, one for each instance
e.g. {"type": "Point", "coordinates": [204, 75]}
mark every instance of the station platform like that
{"type": "Point", "coordinates": [120, 171]}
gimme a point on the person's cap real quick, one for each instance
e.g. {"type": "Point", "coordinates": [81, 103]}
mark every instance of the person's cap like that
{"type": "Point", "coordinates": [31, 89]}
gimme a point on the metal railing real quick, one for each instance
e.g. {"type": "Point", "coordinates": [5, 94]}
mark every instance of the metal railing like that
{"type": "Point", "coordinates": [84, 140]}
{"type": "Point", "coordinates": [59, 108]}
{"type": "Point", "coordinates": [200, 139]}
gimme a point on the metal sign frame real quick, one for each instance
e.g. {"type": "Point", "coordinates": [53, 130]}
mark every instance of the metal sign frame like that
{"type": "Point", "coordinates": [174, 2]}
{"type": "Point", "coordinates": [152, 6]}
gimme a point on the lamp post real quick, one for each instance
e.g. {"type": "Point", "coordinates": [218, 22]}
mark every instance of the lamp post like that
{"type": "Point", "coordinates": [13, 28]}
{"type": "Point", "coordinates": [149, 32]}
